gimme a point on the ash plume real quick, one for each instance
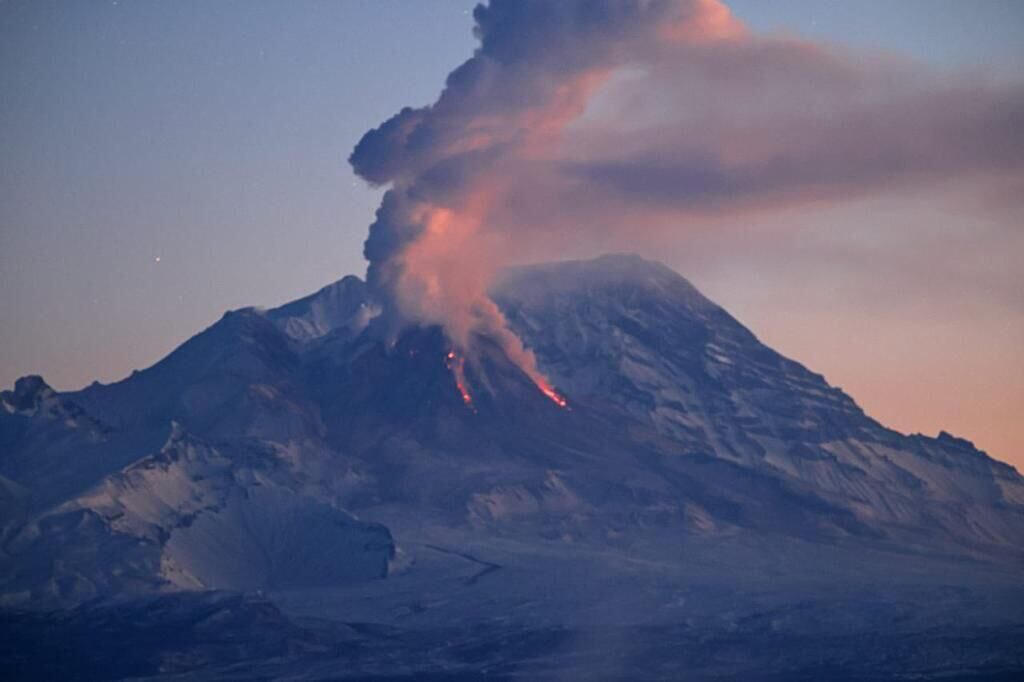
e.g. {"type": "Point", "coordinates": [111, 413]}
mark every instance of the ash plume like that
{"type": "Point", "coordinates": [432, 249]}
{"type": "Point", "coordinates": [601, 121]}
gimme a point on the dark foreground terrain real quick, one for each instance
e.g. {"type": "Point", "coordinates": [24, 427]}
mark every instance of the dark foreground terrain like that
{"type": "Point", "coordinates": [221, 636]}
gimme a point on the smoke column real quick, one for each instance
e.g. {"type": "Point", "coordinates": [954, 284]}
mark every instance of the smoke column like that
{"type": "Point", "coordinates": [579, 121]}
{"type": "Point", "coordinates": [433, 248]}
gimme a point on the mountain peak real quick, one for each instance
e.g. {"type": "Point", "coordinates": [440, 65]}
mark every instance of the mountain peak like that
{"type": "Point", "coordinates": [348, 305]}
{"type": "Point", "coordinates": [345, 304]}
{"type": "Point", "coordinates": [287, 421]}
{"type": "Point", "coordinates": [28, 394]}
{"type": "Point", "coordinates": [616, 274]}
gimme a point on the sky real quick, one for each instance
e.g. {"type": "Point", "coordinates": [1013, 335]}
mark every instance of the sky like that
{"type": "Point", "coordinates": [161, 163]}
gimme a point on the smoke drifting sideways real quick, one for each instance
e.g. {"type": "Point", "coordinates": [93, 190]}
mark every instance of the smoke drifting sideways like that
{"type": "Point", "coordinates": [599, 120]}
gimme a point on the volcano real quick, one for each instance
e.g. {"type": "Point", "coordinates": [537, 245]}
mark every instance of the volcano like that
{"type": "Point", "coordinates": [386, 505]}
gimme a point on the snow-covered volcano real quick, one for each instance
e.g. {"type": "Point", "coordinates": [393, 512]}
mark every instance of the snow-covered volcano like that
{"type": "Point", "coordinates": [300, 451]}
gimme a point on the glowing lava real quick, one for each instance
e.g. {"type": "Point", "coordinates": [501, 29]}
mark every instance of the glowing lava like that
{"type": "Point", "coordinates": [457, 364]}
{"type": "Point", "coordinates": [541, 381]}
{"type": "Point", "coordinates": [552, 394]}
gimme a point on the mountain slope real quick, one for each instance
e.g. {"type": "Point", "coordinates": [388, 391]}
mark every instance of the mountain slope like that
{"type": "Point", "coordinates": [192, 517]}
{"type": "Point", "coordinates": [635, 334]}
{"type": "Point", "coordinates": [285, 448]}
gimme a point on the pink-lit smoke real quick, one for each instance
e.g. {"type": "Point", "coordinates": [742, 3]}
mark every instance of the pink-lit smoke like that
{"type": "Point", "coordinates": [605, 119]}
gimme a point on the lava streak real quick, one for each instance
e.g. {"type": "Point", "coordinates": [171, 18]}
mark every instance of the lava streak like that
{"type": "Point", "coordinates": [457, 364]}
{"type": "Point", "coordinates": [552, 394]}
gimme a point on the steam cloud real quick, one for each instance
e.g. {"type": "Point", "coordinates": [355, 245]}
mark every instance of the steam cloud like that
{"type": "Point", "coordinates": [602, 119]}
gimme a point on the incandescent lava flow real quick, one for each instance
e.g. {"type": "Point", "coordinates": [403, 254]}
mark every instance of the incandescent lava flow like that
{"type": "Point", "coordinates": [552, 395]}
{"type": "Point", "coordinates": [456, 364]}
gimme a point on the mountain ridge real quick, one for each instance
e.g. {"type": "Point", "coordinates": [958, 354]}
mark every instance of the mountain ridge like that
{"type": "Point", "coordinates": [681, 425]}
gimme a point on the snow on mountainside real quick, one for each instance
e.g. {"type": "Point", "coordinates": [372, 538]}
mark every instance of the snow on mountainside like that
{"type": "Point", "coordinates": [637, 334]}
{"type": "Point", "coordinates": [192, 516]}
{"type": "Point", "coordinates": [344, 305]}
{"type": "Point", "coordinates": [283, 449]}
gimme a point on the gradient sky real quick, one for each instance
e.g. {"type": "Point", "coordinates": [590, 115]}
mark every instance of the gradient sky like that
{"type": "Point", "coordinates": [163, 162]}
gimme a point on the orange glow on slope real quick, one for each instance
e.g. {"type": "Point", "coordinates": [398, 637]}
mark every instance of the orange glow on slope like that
{"type": "Point", "coordinates": [551, 394]}
{"type": "Point", "coordinates": [443, 276]}
{"type": "Point", "coordinates": [457, 364]}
